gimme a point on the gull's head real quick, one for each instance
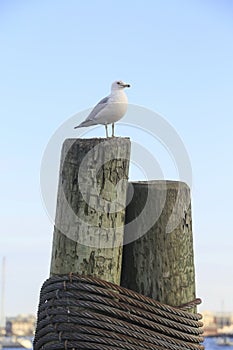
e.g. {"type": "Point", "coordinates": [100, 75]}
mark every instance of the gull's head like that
{"type": "Point", "coordinates": [119, 84]}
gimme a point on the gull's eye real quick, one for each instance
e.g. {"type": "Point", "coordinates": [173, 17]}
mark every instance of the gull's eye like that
{"type": "Point", "coordinates": [118, 83]}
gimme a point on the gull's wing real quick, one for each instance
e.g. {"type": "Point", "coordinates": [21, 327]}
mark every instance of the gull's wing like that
{"type": "Point", "coordinates": [102, 103]}
{"type": "Point", "coordinates": [90, 120]}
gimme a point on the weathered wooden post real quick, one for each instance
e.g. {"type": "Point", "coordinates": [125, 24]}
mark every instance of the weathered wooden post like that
{"type": "Point", "coordinates": [159, 261]}
{"type": "Point", "coordinates": [89, 224]}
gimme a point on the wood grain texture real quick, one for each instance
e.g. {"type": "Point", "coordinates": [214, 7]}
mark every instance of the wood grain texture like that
{"type": "Point", "coordinates": [89, 225]}
{"type": "Point", "coordinates": [160, 264]}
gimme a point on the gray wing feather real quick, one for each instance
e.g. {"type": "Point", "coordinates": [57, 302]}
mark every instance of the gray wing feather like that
{"type": "Point", "coordinates": [90, 120]}
{"type": "Point", "coordinates": [102, 103]}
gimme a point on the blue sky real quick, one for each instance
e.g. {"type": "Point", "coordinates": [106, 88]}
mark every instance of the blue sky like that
{"type": "Point", "coordinates": [59, 58]}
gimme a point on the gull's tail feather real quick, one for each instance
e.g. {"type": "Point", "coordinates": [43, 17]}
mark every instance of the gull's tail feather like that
{"type": "Point", "coordinates": [85, 123]}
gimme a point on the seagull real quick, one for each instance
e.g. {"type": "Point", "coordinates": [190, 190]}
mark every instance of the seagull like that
{"type": "Point", "coordinates": [110, 109]}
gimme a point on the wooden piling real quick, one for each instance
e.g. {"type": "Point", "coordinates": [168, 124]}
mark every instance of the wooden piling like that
{"type": "Point", "coordinates": [159, 261]}
{"type": "Point", "coordinates": [89, 224]}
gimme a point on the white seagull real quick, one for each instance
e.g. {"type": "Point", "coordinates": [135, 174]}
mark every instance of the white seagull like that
{"type": "Point", "coordinates": [110, 109]}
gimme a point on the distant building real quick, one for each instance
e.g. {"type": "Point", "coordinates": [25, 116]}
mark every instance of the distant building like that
{"type": "Point", "coordinates": [217, 323]}
{"type": "Point", "coordinates": [210, 327]}
{"type": "Point", "coordinates": [21, 325]}
{"type": "Point", "coordinates": [222, 319]}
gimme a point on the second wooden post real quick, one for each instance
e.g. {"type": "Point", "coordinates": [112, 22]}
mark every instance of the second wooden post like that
{"type": "Point", "coordinates": [158, 257]}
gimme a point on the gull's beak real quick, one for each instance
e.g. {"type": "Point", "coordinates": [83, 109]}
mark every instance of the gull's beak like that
{"type": "Point", "coordinates": [125, 85]}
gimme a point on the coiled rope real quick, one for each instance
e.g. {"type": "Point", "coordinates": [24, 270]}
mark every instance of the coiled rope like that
{"type": "Point", "coordinates": [80, 312]}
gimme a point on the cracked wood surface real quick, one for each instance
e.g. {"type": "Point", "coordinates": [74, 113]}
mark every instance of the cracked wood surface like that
{"type": "Point", "coordinates": [89, 224]}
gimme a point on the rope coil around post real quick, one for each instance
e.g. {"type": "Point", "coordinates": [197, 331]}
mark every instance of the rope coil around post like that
{"type": "Point", "coordinates": [80, 312]}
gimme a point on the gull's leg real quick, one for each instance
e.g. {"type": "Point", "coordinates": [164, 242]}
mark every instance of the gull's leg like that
{"type": "Point", "coordinates": [112, 129]}
{"type": "Point", "coordinates": [106, 129]}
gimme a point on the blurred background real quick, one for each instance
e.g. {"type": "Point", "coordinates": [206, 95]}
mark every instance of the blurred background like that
{"type": "Point", "coordinates": [59, 58]}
